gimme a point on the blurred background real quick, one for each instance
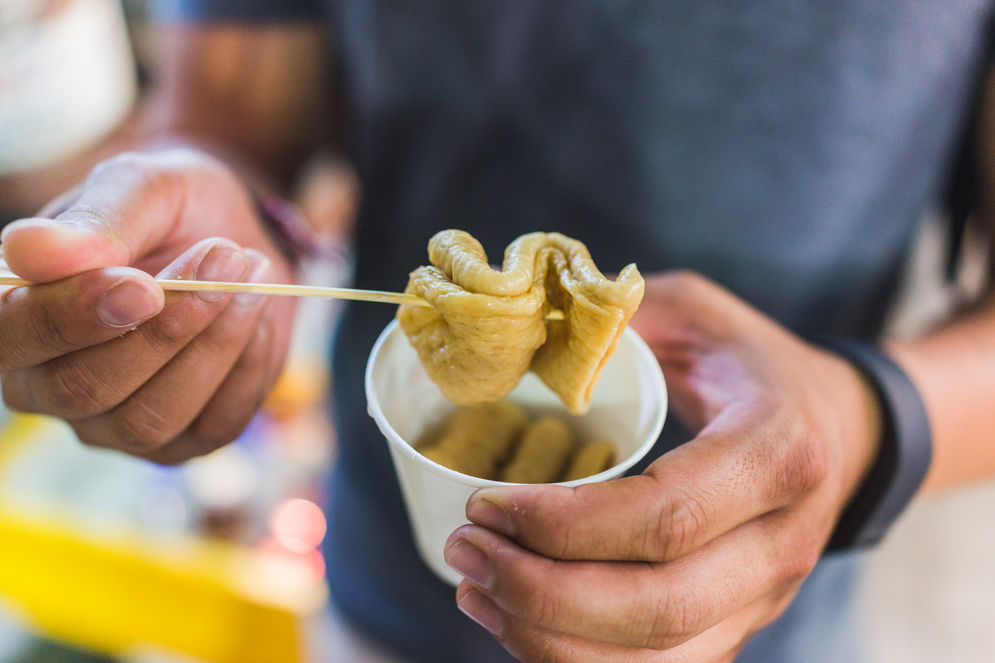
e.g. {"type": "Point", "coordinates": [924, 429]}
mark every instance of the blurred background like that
{"type": "Point", "coordinates": [105, 558]}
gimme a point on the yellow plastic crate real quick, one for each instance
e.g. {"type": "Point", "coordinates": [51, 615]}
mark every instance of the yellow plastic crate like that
{"type": "Point", "coordinates": [120, 592]}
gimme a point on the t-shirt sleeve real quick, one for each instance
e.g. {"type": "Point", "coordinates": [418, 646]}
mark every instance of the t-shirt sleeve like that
{"type": "Point", "coordinates": [260, 11]}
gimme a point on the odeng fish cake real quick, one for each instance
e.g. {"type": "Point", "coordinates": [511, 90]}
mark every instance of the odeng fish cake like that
{"type": "Point", "coordinates": [542, 454]}
{"type": "Point", "coordinates": [475, 440]}
{"type": "Point", "coordinates": [591, 459]}
{"type": "Point", "coordinates": [485, 327]}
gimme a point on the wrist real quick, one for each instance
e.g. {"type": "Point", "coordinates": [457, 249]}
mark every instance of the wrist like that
{"type": "Point", "coordinates": [902, 456]}
{"type": "Point", "coordinates": [860, 428]}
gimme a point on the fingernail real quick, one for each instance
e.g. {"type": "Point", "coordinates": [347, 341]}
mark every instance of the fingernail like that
{"type": "Point", "coordinates": [470, 562]}
{"type": "Point", "coordinates": [222, 263]}
{"type": "Point", "coordinates": [259, 272]}
{"type": "Point", "coordinates": [128, 303]}
{"type": "Point", "coordinates": [482, 610]}
{"type": "Point", "coordinates": [486, 513]}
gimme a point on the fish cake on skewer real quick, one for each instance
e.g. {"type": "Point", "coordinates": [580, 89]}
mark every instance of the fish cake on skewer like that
{"type": "Point", "coordinates": [485, 327]}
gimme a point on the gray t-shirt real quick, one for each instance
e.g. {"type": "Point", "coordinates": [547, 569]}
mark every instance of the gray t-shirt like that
{"type": "Point", "coordinates": [785, 149]}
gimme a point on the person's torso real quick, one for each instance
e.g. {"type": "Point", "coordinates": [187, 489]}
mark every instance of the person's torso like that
{"type": "Point", "coordinates": [785, 149]}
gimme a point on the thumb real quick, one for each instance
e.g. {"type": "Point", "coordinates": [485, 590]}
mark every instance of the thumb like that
{"type": "Point", "coordinates": [43, 250]}
{"type": "Point", "coordinates": [125, 208]}
{"type": "Point", "coordinates": [685, 499]}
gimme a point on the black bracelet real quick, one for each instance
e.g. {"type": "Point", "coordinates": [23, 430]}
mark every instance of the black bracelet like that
{"type": "Point", "coordinates": [904, 455]}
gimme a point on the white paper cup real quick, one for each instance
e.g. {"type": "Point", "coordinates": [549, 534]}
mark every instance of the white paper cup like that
{"type": "Point", "coordinates": [628, 407]}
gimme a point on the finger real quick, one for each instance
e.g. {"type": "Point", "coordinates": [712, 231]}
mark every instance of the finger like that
{"type": "Point", "coordinates": [686, 498]}
{"type": "Point", "coordinates": [40, 322]}
{"type": "Point", "coordinates": [94, 380]}
{"type": "Point", "coordinates": [639, 605]}
{"type": "Point", "coordinates": [166, 405]}
{"type": "Point", "coordinates": [233, 405]}
{"type": "Point", "coordinates": [229, 411]}
{"type": "Point", "coordinates": [528, 642]}
{"type": "Point", "coordinates": [127, 205]}
{"type": "Point", "coordinates": [44, 250]}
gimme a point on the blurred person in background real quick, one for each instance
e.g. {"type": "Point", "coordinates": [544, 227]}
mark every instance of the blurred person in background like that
{"type": "Point", "coordinates": [50, 51]}
{"type": "Point", "coordinates": [766, 166]}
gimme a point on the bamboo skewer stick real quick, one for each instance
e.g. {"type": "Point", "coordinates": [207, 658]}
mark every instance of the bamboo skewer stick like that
{"type": "Point", "coordinates": [283, 290]}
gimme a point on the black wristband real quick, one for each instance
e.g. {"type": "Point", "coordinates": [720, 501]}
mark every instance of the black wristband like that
{"type": "Point", "coordinates": [904, 455]}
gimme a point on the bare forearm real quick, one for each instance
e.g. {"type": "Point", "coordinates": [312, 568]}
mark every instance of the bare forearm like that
{"type": "Point", "coordinates": [954, 369]}
{"type": "Point", "coordinates": [253, 96]}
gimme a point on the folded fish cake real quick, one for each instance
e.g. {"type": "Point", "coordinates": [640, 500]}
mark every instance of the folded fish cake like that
{"type": "Point", "coordinates": [487, 327]}
{"type": "Point", "coordinates": [477, 339]}
{"type": "Point", "coordinates": [596, 311]}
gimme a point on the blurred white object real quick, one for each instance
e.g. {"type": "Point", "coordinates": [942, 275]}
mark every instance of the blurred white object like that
{"type": "Point", "coordinates": [224, 479]}
{"type": "Point", "coordinates": [67, 78]}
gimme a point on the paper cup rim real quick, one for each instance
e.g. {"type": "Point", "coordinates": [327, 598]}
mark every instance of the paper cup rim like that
{"type": "Point", "coordinates": [403, 447]}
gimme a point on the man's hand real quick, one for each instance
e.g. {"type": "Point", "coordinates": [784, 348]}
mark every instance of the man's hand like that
{"type": "Point", "coordinates": [166, 377]}
{"type": "Point", "coordinates": [710, 544]}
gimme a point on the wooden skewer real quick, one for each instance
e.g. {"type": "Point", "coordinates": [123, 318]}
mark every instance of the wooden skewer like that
{"type": "Point", "coordinates": [284, 290]}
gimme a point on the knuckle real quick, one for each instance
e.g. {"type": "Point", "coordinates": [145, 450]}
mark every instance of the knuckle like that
{"type": "Point", "coordinates": [159, 180]}
{"type": "Point", "coordinates": [138, 172]}
{"type": "Point", "coordinates": [137, 179]}
{"type": "Point", "coordinates": [166, 333]}
{"type": "Point", "coordinates": [539, 606]}
{"type": "Point", "coordinates": [142, 428]}
{"type": "Point", "coordinates": [85, 215]}
{"type": "Point", "coordinates": [679, 525]}
{"type": "Point", "coordinates": [672, 621]}
{"type": "Point", "coordinates": [547, 531]}
{"type": "Point", "coordinates": [43, 323]}
{"type": "Point", "coordinates": [808, 463]}
{"type": "Point", "coordinates": [561, 539]}
{"type": "Point", "coordinates": [71, 390]}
